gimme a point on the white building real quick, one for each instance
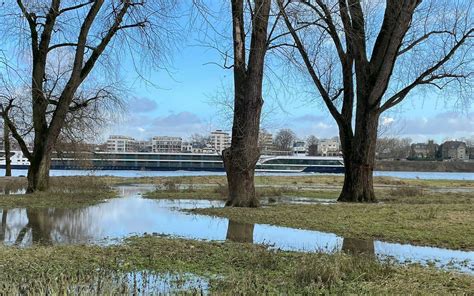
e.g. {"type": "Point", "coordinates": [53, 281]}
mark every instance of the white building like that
{"type": "Point", "coordinates": [299, 148]}
{"type": "Point", "coordinates": [219, 140]}
{"type": "Point", "coordinates": [166, 144]}
{"type": "Point", "coordinates": [121, 144]}
{"type": "Point", "coordinates": [187, 147]}
{"type": "Point", "coordinates": [329, 147]}
{"type": "Point", "coordinates": [265, 142]}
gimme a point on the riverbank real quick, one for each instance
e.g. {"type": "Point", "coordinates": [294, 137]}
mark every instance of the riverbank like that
{"type": "Point", "coordinates": [164, 265]}
{"type": "Point", "coordinates": [425, 166]}
{"type": "Point", "coordinates": [64, 192]}
{"type": "Point", "coordinates": [421, 212]}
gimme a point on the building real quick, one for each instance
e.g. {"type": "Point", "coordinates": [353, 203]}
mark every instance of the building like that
{"type": "Point", "coordinates": [166, 144]}
{"type": "Point", "coordinates": [145, 146]}
{"type": "Point", "coordinates": [329, 147]}
{"type": "Point", "coordinates": [454, 150]}
{"type": "Point", "coordinates": [471, 152]}
{"type": "Point", "coordinates": [187, 147]}
{"type": "Point", "coordinates": [118, 143]}
{"type": "Point", "coordinates": [219, 140]}
{"type": "Point", "coordinates": [424, 150]}
{"type": "Point", "coordinates": [299, 147]}
{"type": "Point", "coordinates": [265, 142]}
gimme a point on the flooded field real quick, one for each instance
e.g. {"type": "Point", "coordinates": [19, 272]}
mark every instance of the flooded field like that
{"type": "Point", "coordinates": [131, 214]}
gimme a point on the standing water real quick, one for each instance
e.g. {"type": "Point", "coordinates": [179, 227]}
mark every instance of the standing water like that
{"type": "Point", "coordinates": [131, 214]}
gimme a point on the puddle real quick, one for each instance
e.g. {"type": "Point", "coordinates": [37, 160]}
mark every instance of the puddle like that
{"type": "Point", "coordinates": [146, 283]}
{"type": "Point", "coordinates": [109, 222]}
{"type": "Point", "coordinates": [105, 282]}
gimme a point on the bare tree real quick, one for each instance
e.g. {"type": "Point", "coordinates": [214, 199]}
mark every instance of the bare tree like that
{"type": "Point", "coordinates": [284, 139]}
{"type": "Point", "coordinates": [241, 157]}
{"type": "Point", "coordinates": [83, 32]}
{"type": "Point", "coordinates": [365, 57]}
{"type": "Point", "coordinates": [6, 141]}
{"type": "Point", "coordinates": [312, 143]}
{"type": "Point", "coordinates": [393, 148]}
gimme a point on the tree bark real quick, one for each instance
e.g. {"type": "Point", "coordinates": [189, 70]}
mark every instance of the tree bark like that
{"type": "Point", "coordinates": [7, 149]}
{"type": "Point", "coordinates": [240, 180]}
{"type": "Point", "coordinates": [38, 172]}
{"type": "Point", "coordinates": [359, 159]}
{"type": "Point", "coordinates": [241, 157]}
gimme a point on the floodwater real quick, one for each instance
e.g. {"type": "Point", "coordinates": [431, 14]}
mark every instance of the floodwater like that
{"type": "Point", "coordinates": [401, 175]}
{"type": "Point", "coordinates": [115, 219]}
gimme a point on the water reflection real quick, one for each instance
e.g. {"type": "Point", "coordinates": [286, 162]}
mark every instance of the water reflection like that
{"type": "Point", "coordinates": [240, 232]}
{"type": "Point", "coordinates": [122, 217]}
{"type": "Point", "coordinates": [358, 246]}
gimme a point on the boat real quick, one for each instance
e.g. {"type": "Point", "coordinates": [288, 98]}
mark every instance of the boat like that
{"type": "Point", "coordinates": [150, 161]}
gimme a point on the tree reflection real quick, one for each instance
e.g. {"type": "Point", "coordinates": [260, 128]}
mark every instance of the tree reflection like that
{"type": "Point", "coordinates": [358, 246]}
{"type": "Point", "coordinates": [240, 232]}
{"type": "Point", "coordinates": [47, 226]}
{"type": "Point", "coordinates": [3, 226]}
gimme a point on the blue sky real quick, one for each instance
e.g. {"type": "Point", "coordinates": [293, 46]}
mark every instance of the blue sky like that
{"type": "Point", "coordinates": [181, 106]}
{"type": "Point", "coordinates": [181, 102]}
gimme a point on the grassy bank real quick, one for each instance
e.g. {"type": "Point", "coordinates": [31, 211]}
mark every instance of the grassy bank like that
{"type": "Point", "coordinates": [424, 212]}
{"type": "Point", "coordinates": [443, 220]}
{"type": "Point", "coordinates": [64, 192]}
{"type": "Point", "coordinates": [229, 267]}
{"type": "Point", "coordinates": [172, 190]}
{"type": "Point", "coordinates": [302, 181]}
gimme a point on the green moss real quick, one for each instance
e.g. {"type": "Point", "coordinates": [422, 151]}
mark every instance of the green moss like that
{"type": "Point", "coordinates": [230, 267]}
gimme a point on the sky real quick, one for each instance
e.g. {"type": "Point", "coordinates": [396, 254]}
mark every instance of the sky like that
{"type": "Point", "coordinates": [181, 101]}
{"type": "Point", "coordinates": [184, 104]}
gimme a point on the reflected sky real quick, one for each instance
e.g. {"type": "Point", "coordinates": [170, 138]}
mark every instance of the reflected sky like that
{"type": "Point", "coordinates": [131, 214]}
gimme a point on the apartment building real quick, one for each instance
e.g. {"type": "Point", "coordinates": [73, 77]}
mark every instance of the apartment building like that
{"type": "Point", "coordinates": [219, 140]}
{"type": "Point", "coordinates": [454, 150]}
{"type": "Point", "coordinates": [117, 143]}
{"type": "Point", "coordinates": [166, 144]}
{"type": "Point", "coordinates": [329, 147]}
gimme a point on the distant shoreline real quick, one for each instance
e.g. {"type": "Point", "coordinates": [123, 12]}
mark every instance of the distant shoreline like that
{"type": "Point", "coordinates": [425, 166]}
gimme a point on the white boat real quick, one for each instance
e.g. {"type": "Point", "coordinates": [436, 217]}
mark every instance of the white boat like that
{"type": "Point", "coordinates": [149, 161]}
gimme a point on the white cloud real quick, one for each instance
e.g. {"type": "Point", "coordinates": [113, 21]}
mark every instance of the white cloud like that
{"type": "Point", "coordinates": [387, 120]}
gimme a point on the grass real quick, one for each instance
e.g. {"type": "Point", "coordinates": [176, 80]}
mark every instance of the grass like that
{"type": "Point", "coordinates": [230, 268]}
{"type": "Point", "coordinates": [172, 190]}
{"type": "Point", "coordinates": [408, 212]}
{"type": "Point", "coordinates": [64, 192]}
{"type": "Point", "coordinates": [306, 180]}
{"type": "Point", "coordinates": [418, 220]}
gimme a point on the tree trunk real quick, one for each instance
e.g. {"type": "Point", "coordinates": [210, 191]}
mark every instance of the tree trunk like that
{"type": "Point", "coordinates": [38, 172]}
{"type": "Point", "coordinates": [359, 159]}
{"type": "Point", "coordinates": [239, 161]}
{"type": "Point", "coordinates": [241, 157]}
{"type": "Point", "coordinates": [6, 144]}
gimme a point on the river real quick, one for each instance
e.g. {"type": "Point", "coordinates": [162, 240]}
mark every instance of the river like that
{"type": "Point", "coordinates": [401, 175]}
